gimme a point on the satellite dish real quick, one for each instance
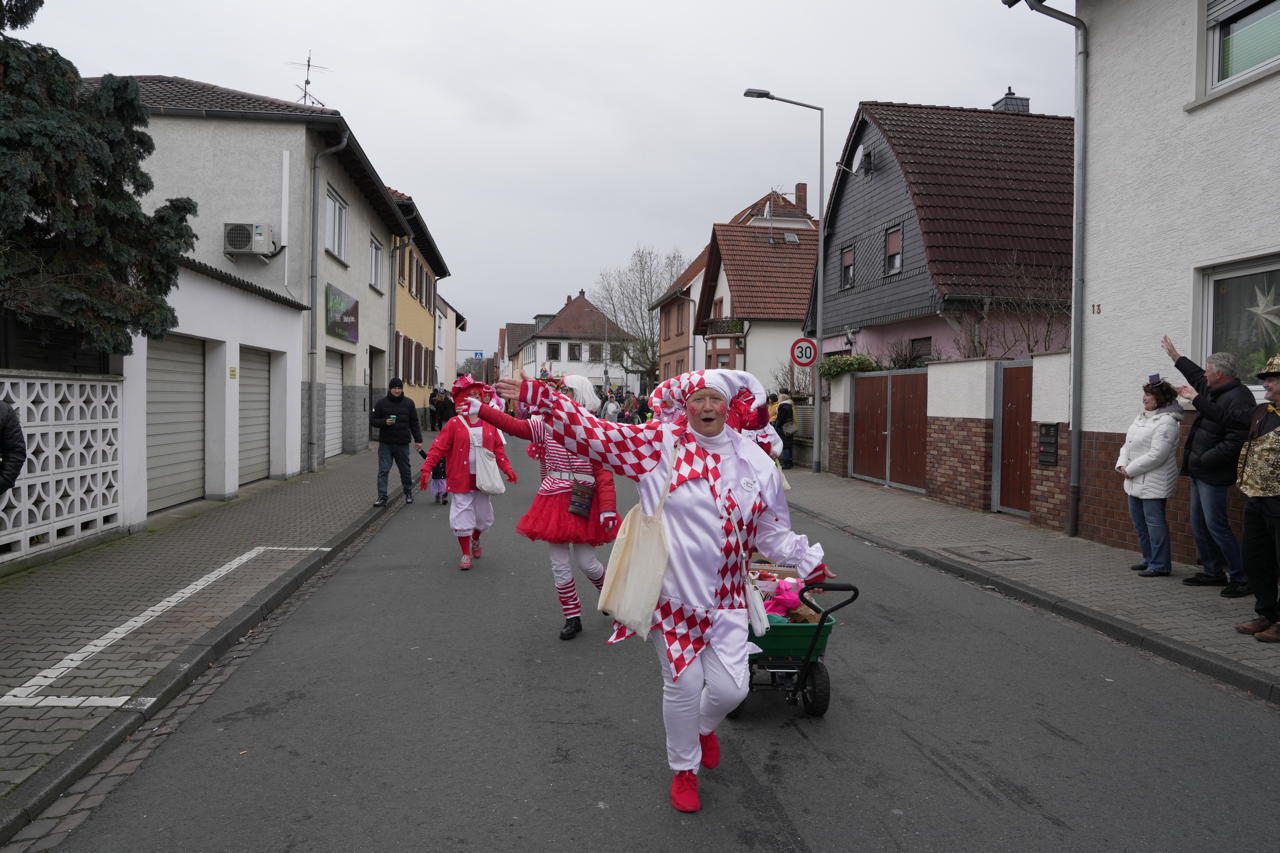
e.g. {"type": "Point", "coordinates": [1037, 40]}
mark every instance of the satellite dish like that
{"type": "Point", "coordinates": [857, 158]}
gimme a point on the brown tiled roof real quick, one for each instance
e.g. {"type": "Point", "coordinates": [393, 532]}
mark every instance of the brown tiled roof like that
{"type": "Point", "coordinates": [780, 207]}
{"type": "Point", "coordinates": [421, 234]}
{"type": "Point", "coordinates": [581, 320]}
{"type": "Point", "coordinates": [770, 277]}
{"type": "Point", "coordinates": [161, 92]}
{"type": "Point", "coordinates": [517, 334]}
{"type": "Point", "coordinates": [992, 192]}
{"type": "Point", "coordinates": [696, 266]}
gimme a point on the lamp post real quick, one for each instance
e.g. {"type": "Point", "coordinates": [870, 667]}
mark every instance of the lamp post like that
{"type": "Point", "coordinates": [817, 318]}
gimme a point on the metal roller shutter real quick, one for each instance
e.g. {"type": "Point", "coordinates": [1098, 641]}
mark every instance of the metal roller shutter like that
{"type": "Point", "coordinates": [332, 404]}
{"type": "Point", "coordinates": [255, 414]}
{"type": "Point", "coordinates": [175, 421]}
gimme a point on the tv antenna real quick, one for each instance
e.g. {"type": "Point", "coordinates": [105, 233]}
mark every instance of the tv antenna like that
{"type": "Point", "coordinates": [308, 98]}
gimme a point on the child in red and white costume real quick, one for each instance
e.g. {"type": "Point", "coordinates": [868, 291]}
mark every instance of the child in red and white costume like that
{"type": "Point", "coordinates": [725, 501]}
{"type": "Point", "coordinates": [470, 510]}
{"type": "Point", "coordinates": [572, 538]}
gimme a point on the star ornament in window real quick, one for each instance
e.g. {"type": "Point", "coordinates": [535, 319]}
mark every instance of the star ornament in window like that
{"type": "Point", "coordinates": [1266, 312]}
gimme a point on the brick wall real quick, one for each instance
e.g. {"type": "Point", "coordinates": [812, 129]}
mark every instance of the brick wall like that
{"type": "Point", "coordinates": [838, 444]}
{"type": "Point", "coordinates": [959, 468]}
{"type": "Point", "coordinates": [1104, 507]}
{"type": "Point", "coordinates": [1050, 484]}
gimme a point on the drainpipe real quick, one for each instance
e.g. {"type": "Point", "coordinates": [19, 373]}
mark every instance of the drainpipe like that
{"type": "Point", "coordinates": [313, 456]}
{"type": "Point", "coordinates": [1077, 262]}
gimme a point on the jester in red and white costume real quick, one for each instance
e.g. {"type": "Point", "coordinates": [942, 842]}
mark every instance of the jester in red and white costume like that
{"type": "Point", "coordinates": [572, 538]}
{"type": "Point", "coordinates": [725, 501]}
{"type": "Point", "coordinates": [470, 511]}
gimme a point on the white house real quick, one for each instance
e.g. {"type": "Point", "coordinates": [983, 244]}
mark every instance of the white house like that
{"type": "Point", "coordinates": [448, 323]}
{"type": "Point", "coordinates": [578, 339]}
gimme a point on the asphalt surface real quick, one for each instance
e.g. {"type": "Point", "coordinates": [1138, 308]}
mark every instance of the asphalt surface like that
{"type": "Point", "coordinates": [53, 611]}
{"type": "Point", "coordinates": [407, 705]}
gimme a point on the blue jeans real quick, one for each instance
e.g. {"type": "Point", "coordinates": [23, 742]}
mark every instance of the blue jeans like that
{"type": "Point", "coordinates": [1215, 541]}
{"type": "Point", "coordinates": [1153, 532]}
{"type": "Point", "coordinates": [400, 453]}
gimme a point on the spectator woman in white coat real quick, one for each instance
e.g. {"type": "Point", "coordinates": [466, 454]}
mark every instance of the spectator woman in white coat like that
{"type": "Point", "coordinates": [1148, 462]}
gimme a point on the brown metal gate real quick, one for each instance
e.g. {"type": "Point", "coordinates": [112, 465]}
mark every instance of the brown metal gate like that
{"type": "Point", "coordinates": [890, 428]}
{"type": "Point", "coordinates": [1012, 454]}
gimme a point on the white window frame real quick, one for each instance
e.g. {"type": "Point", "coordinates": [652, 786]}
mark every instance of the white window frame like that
{"type": "Point", "coordinates": [1208, 56]}
{"type": "Point", "coordinates": [376, 263]}
{"type": "Point", "coordinates": [1210, 278]}
{"type": "Point", "coordinates": [335, 231]}
{"type": "Point", "coordinates": [568, 356]}
{"type": "Point", "coordinates": [551, 357]}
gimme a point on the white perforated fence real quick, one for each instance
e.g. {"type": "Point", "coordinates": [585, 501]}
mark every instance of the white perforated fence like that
{"type": "Point", "coordinates": [70, 486]}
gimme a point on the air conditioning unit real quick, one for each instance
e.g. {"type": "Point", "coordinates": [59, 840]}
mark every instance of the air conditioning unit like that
{"type": "Point", "coordinates": [247, 238]}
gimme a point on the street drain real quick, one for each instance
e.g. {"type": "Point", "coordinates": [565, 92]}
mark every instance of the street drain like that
{"type": "Point", "coordinates": [985, 554]}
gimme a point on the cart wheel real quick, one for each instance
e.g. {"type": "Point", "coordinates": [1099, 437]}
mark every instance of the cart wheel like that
{"type": "Point", "coordinates": [737, 711]}
{"type": "Point", "coordinates": [817, 690]}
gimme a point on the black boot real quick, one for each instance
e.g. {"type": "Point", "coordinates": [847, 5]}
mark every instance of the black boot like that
{"type": "Point", "coordinates": [572, 628]}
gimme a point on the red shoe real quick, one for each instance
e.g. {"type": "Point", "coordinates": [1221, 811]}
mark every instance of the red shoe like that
{"type": "Point", "coordinates": [476, 550]}
{"type": "Point", "coordinates": [684, 791]}
{"type": "Point", "coordinates": [710, 750]}
{"type": "Point", "coordinates": [465, 562]}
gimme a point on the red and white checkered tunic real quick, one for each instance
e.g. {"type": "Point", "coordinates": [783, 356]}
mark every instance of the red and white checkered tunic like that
{"type": "Point", "coordinates": [559, 467]}
{"type": "Point", "coordinates": [725, 502]}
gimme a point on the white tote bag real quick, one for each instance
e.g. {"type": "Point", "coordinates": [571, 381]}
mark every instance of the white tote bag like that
{"type": "Point", "coordinates": [488, 477]}
{"type": "Point", "coordinates": [756, 615]}
{"type": "Point", "coordinates": [633, 580]}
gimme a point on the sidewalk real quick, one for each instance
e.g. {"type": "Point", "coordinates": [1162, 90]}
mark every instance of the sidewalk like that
{"type": "Point", "coordinates": [1079, 579]}
{"type": "Point", "coordinates": [94, 644]}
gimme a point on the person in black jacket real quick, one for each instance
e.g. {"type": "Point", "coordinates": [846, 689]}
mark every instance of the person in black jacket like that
{"type": "Point", "coordinates": [13, 448]}
{"type": "Point", "coordinates": [1209, 458]}
{"type": "Point", "coordinates": [396, 418]}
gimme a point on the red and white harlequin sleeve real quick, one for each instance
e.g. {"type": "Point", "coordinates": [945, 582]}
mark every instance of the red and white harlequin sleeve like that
{"type": "Point", "coordinates": [626, 449]}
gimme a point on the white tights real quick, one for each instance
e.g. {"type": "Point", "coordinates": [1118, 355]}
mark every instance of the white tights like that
{"type": "Point", "coordinates": [584, 557]}
{"type": "Point", "coordinates": [695, 704]}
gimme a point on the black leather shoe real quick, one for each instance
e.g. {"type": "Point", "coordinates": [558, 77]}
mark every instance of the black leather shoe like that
{"type": "Point", "coordinates": [1137, 567]}
{"type": "Point", "coordinates": [380, 502]}
{"type": "Point", "coordinates": [1201, 579]}
{"type": "Point", "coordinates": [1236, 589]}
{"type": "Point", "coordinates": [572, 628]}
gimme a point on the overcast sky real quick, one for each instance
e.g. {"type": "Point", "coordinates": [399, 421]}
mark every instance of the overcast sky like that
{"type": "Point", "coordinates": [545, 141]}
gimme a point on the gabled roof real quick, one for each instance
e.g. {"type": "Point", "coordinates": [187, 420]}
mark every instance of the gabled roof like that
{"type": "Point", "coordinates": [517, 334]}
{"type": "Point", "coordinates": [421, 236]}
{"type": "Point", "coordinates": [580, 320]}
{"type": "Point", "coordinates": [778, 205]}
{"type": "Point", "coordinates": [178, 96]}
{"type": "Point", "coordinates": [992, 191]}
{"type": "Point", "coordinates": [770, 271]}
{"type": "Point", "coordinates": [696, 266]}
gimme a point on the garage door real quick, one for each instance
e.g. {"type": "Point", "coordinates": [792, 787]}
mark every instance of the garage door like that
{"type": "Point", "coordinates": [332, 404]}
{"type": "Point", "coordinates": [255, 414]}
{"type": "Point", "coordinates": [175, 421]}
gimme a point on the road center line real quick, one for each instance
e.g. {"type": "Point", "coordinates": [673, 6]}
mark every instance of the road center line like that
{"type": "Point", "coordinates": [25, 695]}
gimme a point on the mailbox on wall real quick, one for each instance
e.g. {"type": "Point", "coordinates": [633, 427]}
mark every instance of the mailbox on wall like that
{"type": "Point", "coordinates": [1048, 454]}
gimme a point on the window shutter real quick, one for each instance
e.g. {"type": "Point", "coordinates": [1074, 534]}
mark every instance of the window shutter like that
{"type": "Point", "coordinates": [893, 242]}
{"type": "Point", "coordinates": [395, 356]}
{"type": "Point", "coordinates": [1219, 10]}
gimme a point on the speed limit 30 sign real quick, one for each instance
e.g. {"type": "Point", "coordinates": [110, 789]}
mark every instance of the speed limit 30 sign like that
{"type": "Point", "coordinates": [804, 352]}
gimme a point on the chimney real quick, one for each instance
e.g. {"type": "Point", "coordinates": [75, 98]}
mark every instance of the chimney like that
{"type": "Point", "coordinates": [1011, 103]}
{"type": "Point", "coordinates": [568, 299]}
{"type": "Point", "coordinates": [802, 197]}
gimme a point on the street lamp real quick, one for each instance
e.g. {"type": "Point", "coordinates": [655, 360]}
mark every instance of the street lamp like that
{"type": "Point", "coordinates": [822, 184]}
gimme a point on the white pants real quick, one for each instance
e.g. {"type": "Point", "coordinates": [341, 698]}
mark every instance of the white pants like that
{"type": "Point", "coordinates": [584, 557]}
{"type": "Point", "coordinates": [695, 704]}
{"type": "Point", "coordinates": [469, 511]}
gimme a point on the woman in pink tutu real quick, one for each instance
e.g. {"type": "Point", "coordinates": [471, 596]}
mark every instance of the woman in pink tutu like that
{"type": "Point", "coordinates": [574, 510]}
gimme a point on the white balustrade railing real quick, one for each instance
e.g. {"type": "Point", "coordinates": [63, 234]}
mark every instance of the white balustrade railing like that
{"type": "Point", "coordinates": [70, 486]}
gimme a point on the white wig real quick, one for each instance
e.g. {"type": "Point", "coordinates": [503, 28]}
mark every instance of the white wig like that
{"type": "Point", "coordinates": [583, 393]}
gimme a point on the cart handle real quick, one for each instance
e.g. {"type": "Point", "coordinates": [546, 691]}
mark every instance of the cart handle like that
{"type": "Point", "coordinates": [828, 586]}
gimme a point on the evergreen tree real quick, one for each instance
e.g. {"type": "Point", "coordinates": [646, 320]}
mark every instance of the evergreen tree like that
{"type": "Point", "coordinates": [75, 243]}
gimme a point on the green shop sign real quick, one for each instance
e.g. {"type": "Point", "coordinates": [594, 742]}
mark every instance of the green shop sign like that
{"type": "Point", "coordinates": [341, 314]}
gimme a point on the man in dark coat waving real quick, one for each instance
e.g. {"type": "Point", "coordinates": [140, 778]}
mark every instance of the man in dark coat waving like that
{"type": "Point", "coordinates": [396, 418]}
{"type": "Point", "coordinates": [1209, 458]}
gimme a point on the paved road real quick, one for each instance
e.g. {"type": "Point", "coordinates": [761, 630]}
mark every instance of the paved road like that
{"type": "Point", "coordinates": [408, 706]}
